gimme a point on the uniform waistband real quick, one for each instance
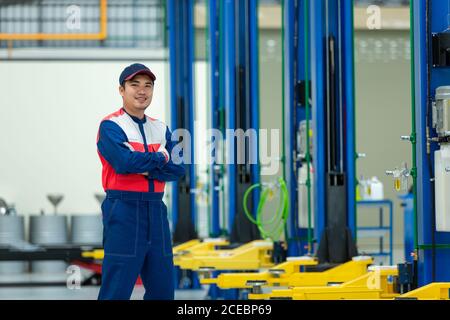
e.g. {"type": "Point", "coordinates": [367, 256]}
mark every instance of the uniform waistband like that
{"type": "Point", "coordinates": [132, 195]}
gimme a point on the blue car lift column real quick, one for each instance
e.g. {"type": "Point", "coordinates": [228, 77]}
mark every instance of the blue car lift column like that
{"type": "Point", "coordinates": [234, 100]}
{"type": "Point", "coordinates": [181, 63]}
{"type": "Point", "coordinates": [297, 87]}
{"type": "Point", "coordinates": [431, 69]}
{"type": "Point", "coordinates": [216, 114]}
{"type": "Point", "coordinates": [332, 81]}
{"type": "Point", "coordinates": [238, 94]}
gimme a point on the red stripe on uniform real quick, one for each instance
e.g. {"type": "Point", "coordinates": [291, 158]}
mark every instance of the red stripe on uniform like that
{"type": "Point", "coordinates": [159, 186]}
{"type": "Point", "coordinates": [115, 114]}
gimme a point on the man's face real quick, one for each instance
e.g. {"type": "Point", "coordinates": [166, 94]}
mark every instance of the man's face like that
{"type": "Point", "coordinates": [137, 93]}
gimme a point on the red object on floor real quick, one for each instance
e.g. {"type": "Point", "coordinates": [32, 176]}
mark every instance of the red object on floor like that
{"type": "Point", "coordinates": [97, 268]}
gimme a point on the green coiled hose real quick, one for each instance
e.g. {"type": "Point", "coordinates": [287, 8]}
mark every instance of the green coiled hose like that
{"type": "Point", "coordinates": [277, 221]}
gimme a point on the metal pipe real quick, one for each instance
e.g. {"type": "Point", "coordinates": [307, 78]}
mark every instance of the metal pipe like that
{"type": "Point", "coordinates": [327, 64]}
{"type": "Point", "coordinates": [413, 128]}
{"type": "Point", "coordinates": [341, 104]}
{"type": "Point", "coordinates": [427, 126]}
{"type": "Point", "coordinates": [307, 107]}
{"type": "Point", "coordinates": [283, 124]}
{"type": "Point", "coordinates": [101, 35]}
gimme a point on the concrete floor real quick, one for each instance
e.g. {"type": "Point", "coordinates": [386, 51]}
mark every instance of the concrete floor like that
{"type": "Point", "coordinates": [62, 292]}
{"type": "Point", "coordinates": [84, 293]}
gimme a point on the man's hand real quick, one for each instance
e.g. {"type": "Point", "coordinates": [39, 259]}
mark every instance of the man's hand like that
{"type": "Point", "coordinates": [164, 151]}
{"type": "Point", "coordinates": [166, 155]}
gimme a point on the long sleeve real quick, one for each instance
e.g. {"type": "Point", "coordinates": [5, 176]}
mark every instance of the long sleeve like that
{"type": "Point", "coordinates": [164, 175]}
{"type": "Point", "coordinates": [111, 145]}
{"type": "Point", "coordinates": [171, 171]}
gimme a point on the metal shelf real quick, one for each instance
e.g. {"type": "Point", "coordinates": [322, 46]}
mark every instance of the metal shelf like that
{"type": "Point", "coordinates": [380, 231]}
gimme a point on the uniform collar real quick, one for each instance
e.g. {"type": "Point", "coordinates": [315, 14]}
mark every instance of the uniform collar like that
{"type": "Point", "coordinates": [135, 119]}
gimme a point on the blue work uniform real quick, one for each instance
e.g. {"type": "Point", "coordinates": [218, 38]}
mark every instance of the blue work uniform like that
{"type": "Point", "coordinates": [136, 234]}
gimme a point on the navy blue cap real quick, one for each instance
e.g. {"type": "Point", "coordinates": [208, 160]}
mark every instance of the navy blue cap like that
{"type": "Point", "coordinates": [133, 70]}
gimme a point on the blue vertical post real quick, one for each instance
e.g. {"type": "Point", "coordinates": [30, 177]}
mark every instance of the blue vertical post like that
{"type": "Point", "coordinates": [318, 110]}
{"type": "Point", "coordinates": [189, 91]}
{"type": "Point", "coordinates": [349, 104]}
{"type": "Point", "coordinates": [423, 188]}
{"type": "Point", "coordinates": [391, 235]}
{"type": "Point", "coordinates": [239, 53]}
{"type": "Point", "coordinates": [181, 58]}
{"type": "Point", "coordinates": [181, 62]}
{"type": "Point", "coordinates": [289, 127]}
{"type": "Point", "coordinates": [215, 110]}
{"type": "Point", "coordinates": [294, 112]}
{"type": "Point", "coordinates": [437, 77]}
{"type": "Point", "coordinates": [173, 92]}
{"type": "Point", "coordinates": [253, 54]}
{"type": "Point", "coordinates": [333, 18]}
{"type": "Point", "coordinates": [230, 102]}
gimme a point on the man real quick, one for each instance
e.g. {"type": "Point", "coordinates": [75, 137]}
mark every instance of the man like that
{"type": "Point", "coordinates": [135, 152]}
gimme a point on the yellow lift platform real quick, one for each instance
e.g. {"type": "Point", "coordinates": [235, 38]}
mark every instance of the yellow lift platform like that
{"type": "Point", "coordinates": [277, 273]}
{"type": "Point", "coordinates": [432, 291]}
{"type": "Point", "coordinates": [251, 256]}
{"type": "Point", "coordinates": [375, 284]}
{"type": "Point", "coordinates": [198, 247]}
{"type": "Point", "coordinates": [288, 274]}
{"type": "Point", "coordinates": [186, 248]}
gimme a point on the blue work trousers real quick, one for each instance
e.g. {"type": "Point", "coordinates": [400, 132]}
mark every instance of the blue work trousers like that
{"type": "Point", "coordinates": [137, 241]}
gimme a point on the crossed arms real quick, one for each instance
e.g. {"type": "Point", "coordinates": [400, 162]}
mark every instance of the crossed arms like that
{"type": "Point", "coordinates": [112, 145]}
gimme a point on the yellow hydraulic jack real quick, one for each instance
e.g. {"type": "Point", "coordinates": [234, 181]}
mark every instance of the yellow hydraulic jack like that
{"type": "Point", "coordinates": [185, 246]}
{"type": "Point", "coordinates": [432, 291]}
{"type": "Point", "coordinates": [94, 254]}
{"type": "Point", "coordinates": [188, 247]}
{"type": "Point", "coordinates": [251, 256]}
{"type": "Point", "coordinates": [277, 273]}
{"type": "Point", "coordinates": [198, 247]}
{"type": "Point", "coordinates": [375, 284]}
{"type": "Point", "coordinates": [288, 275]}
